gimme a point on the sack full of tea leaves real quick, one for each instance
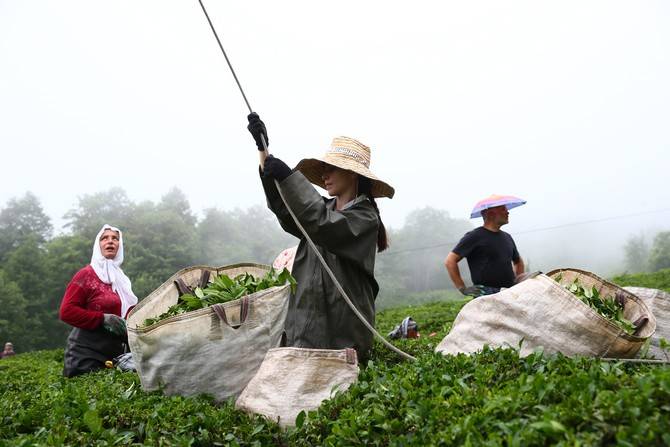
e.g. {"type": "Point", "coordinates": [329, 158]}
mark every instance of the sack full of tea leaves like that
{"type": "Point", "coordinates": [187, 337]}
{"type": "Point", "coordinates": [567, 310]}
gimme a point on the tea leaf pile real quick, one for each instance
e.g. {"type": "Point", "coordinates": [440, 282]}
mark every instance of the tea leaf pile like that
{"type": "Point", "coordinates": [223, 289]}
{"type": "Point", "coordinates": [606, 306]}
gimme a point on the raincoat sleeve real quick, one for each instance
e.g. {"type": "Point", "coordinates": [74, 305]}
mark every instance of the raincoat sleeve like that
{"type": "Point", "coordinates": [73, 309]}
{"type": "Point", "coordinates": [347, 233]}
{"type": "Point", "coordinates": [277, 206]}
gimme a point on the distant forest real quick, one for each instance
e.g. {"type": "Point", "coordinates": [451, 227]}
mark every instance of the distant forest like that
{"type": "Point", "coordinates": [161, 238]}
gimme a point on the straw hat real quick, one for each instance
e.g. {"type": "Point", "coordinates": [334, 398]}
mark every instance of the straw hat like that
{"type": "Point", "coordinates": [345, 153]}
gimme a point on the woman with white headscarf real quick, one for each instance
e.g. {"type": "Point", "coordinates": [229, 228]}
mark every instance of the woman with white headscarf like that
{"type": "Point", "coordinates": [96, 302]}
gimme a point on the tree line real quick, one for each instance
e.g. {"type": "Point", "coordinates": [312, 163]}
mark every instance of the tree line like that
{"type": "Point", "coordinates": [162, 237]}
{"type": "Point", "coordinates": [644, 255]}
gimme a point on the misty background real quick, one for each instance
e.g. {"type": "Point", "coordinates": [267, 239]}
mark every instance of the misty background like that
{"type": "Point", "coordinates": [126, 113]}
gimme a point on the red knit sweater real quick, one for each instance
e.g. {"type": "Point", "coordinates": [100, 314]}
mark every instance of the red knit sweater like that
{"type": "Point", "coordinates": [87, 299]}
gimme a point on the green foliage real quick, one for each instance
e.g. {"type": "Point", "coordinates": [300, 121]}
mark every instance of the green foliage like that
{"type": "Point", "coordinates": [636, 251]}
{"type": "Point", "coordinates": [607, 306]}
{"type": "Point", "coordinates": [20, 220]}
{"type": "Point", "coordinates": [223, 289]}
{"type": "Point", "coordinates": [398, 298]}
{"type": "Point", "coordinates": [241, 236]}
{"type": "Point", "coordinates": [659, 257]}
{"type": "Point", "coordinates": [402, 272]}
{"type": "Point", "coordinates": [108, 407]}
{"type": "Point", "coordinates": [94, 210]}
{"type": "Point", "coordinates": [656, 280]}
{"type": "Point", "coordinates": [14, 317]}
{"type": "Point", "coordinates": [491, 398]}
{"type": "Point", "coordinates": [496, 398]}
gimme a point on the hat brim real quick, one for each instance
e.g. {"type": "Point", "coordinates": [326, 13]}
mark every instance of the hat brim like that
{"type": "Point", "coordinates": [313, 168]}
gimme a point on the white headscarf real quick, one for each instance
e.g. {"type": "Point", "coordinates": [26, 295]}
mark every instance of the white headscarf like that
{"type": "Point", "coordinates": [109, 271]}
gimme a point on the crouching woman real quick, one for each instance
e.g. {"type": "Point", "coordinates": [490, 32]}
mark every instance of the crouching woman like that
{"type": "Point", "coordinates": [96, 303]}
{"type": "Point", "coordinates": [347, 231]}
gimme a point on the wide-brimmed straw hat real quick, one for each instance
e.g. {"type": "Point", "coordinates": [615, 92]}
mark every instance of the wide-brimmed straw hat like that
{"type": "Point", "coordinates": [345, 153]}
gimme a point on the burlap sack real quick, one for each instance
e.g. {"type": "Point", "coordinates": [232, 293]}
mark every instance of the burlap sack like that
{"type": "Point", "coordinates": [215, 350]}
{"type": "Point", "coordinates": [291, 380]}
{"type": "Point", "coordinates": [658, 303]}
{"type": "Point", "coordinates": [539, 312]}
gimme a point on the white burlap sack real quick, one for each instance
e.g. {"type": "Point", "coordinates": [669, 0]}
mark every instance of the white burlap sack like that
{"type": "Point", "coordinates": [215, 350]}
{"type": "Point", "coordinates": [539, 312]}
{"type": "Point", "coordinates": [658, 302]}
{"type": "Point", "coordinates": [291, 380]}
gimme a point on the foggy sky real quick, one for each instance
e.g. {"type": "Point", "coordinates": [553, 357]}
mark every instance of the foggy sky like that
{"type": "Point", "coordinates": [565, 104]}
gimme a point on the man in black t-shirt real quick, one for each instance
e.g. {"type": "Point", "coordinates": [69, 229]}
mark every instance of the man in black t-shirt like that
{"type": "Point", "coordinates": [491, 253]}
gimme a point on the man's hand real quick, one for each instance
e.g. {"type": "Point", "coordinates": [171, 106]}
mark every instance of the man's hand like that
{"type": "Point", "coordinates": [275, 168]}
{"type": "Point", "coordinates": [257, 128]}
{"type": "Point", "coordinates": [114, 324]}
{"type": "Point", "coordinates": [473, 291]}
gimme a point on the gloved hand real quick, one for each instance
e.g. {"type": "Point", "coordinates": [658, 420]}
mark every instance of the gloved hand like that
{"type": "Point", "coordinates": [473, 291]}
{"type": "Point", "coordinates": [257, 128]}
{"type": "Point", "coordinates": [114, 324]}
{"type": "Point", "coordinates": [275, 168]}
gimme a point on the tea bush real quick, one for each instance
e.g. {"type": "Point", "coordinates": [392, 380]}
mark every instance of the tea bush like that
{"type": "Point", "coordinates": [490, 398]}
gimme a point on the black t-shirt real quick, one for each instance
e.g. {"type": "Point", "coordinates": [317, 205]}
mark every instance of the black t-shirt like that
{"type": "Point", "coordinates": [490, 255]}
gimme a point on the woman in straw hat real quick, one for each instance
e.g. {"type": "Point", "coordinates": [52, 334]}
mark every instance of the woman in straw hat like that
{"type": "Point", "coordinates": [347, 230]}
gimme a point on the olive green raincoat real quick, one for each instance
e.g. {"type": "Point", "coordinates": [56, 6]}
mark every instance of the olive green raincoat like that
{"type": "Point", "coordinates": [318, 316]}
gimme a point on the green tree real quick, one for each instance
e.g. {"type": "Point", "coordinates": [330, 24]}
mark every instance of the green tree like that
{"type": "Point", "coordinates": [14, 325]}
{"type": "Point", "coordinates": [636, 252]}
{"type": "Point", "coordinates": [94, 210]}
{"type": "Point", "coordinates": [25, 266]}
{"type": "Point", "coordinates": [415, 260]}
{"type": "Point", "coordinates": [65, 255]}
{"type": "Point", "coordinates": [20, 220]}
{"type": "Point", "coordinates": [251, 235]}
{"type": "Point", "coordinates": [659, 257]}
{"type": "Point", "coordinates": [159, 240]}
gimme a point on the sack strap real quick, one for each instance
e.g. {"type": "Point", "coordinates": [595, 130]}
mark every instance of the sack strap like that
{"type": "Point", "coordinates": [352, 357]}
{"type": "Point", "coordinates": [204, 279]}
{"type": "Point", "coordinates": [182, 288]}
{"type": "Point", "coordinates": [639, 324]}
{"type": "Point", "coordinates": [244, 312]}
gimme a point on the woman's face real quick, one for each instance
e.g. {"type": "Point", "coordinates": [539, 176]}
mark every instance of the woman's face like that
{"type": "Point", "coordinates": [338, 181]}
{"type": "Point", "coordinates": [109, 244]}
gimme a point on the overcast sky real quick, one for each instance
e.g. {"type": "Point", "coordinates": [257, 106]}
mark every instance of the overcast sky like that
{"type": "Point", "coordinates": [566, 104]}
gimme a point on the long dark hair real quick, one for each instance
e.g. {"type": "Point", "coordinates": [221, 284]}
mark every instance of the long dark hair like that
{"type": "Point", "coordinates": [365, 187]}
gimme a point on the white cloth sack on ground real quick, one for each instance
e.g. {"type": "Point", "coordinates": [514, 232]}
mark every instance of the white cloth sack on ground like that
{"type": "Point", "coordinates": [214, 350]}
{"type": "Point", "coordinates": [658, 302]}
{"type": "Point", "coordinates": [291, 380]}
{"type": "Point", "coordinates": [539, 312]}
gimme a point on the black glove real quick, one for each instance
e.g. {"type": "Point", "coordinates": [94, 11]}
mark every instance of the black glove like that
{"type": "Point", "coordinates": [114, 324]}
{"type": "Point", "coordinates": [275, 168]}
{"type": "Point", "coordinates": [473, 291]}
{"type": "Point", "coordinates": [257, 128]}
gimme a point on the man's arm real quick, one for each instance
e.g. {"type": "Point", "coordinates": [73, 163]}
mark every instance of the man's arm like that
{"type": "Point", "coordinates": [451, 263]}
{"type": "Point", "coordinates": [519, 267]}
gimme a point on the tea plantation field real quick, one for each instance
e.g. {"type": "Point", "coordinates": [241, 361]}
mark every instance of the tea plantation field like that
{"type": "Point", "coordinates": [492, 398]}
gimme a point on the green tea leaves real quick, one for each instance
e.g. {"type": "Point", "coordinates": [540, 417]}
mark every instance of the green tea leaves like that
{"type": "Point", "coordinates": [607, 306]}
{"type": "Point", "coordinates": [223, 289]}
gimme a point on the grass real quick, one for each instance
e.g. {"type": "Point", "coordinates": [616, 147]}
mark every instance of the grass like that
{"type": "Point", "coordinates": [656, 280]}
